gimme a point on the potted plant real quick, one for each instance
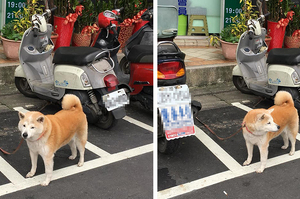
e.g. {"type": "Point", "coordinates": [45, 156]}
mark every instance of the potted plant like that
{"type": "Point", "coordinates": [84, 28]}
{"type": "Point", "coordinates": [231, 34]}
{"type": "Point", "coordinates": [65, 16]}
{"type": "Point", "coordinates": [278, 20]}
{"type": "Point", "coordinates": [292, 37]}
{"type": "Point", "coordinates": [12, 32]}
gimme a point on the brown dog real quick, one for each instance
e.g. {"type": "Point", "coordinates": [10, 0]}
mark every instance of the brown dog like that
{"type": "Point", "coordinates": [45, 134]}
{"type": "Point", "coordinates": [260, 126]}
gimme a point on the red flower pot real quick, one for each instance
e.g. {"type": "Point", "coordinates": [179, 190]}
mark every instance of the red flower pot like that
{"type": "Point", "coordinates": [64, 32]}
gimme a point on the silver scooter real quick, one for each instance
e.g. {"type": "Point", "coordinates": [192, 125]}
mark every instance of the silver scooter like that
{"type": "Point", "coordinates": [261, 75]}
{"type": "Point", "coordinates": [86, 72]}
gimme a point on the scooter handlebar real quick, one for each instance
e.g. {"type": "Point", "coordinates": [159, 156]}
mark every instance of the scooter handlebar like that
{"type": "Point", "coordinates": [52, 9]}
{"type": "Point", "coordinates": [113, 28]}
{"type": "Point", "coordinates": [267, 14]}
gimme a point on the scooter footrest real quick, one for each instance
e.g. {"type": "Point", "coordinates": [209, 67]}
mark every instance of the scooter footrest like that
{"type": "Point", "coordinates": [78, 56]}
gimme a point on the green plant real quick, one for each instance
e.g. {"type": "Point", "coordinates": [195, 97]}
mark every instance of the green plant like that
{"type": "Point", "coordinates": [65, 7]}
{"type": "Point", "coordinates": [294, 24]}
{"type": "Point", "coordinates": [278, 9]}
{"type": "Point", "coordinates": [8, 32]}
{"type": "Point", "coordinates": [233, 32]}
{"type": "Point", "coordinates": [88, 16]}
{"type": "Point", "coordinates": [213, 40]}
{"type": "Point", "coordinates": [15, 29]}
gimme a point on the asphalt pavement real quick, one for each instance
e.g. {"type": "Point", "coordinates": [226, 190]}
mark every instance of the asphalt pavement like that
{"type": "Point", "coordinates": [118, 161]}
{"type": "Point", "coordinates": [206, 167]}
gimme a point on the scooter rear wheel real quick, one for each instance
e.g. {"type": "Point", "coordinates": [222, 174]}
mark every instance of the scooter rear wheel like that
{"type": "Point", "coordinates": [240, 84]}
{"type": "Point", "coordinates": [23, 86]}
{"type": "Point", "coordinates": [125, 66]}
{"type": "Point", "coordinates": [106, 120]}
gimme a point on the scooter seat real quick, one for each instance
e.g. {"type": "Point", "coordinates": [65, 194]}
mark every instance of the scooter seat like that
{"type": "Point", "coordinates": [141, 54]}
{"type": "Point", "coordinates": [287, 56]}
{"type": "Point", "coordinates": [168, 52]}
{"type": "Point", "coordinates": [78, 56]}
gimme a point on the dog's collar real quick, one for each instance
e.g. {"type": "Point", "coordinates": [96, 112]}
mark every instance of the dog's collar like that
{"type": "Point", "coordinates": [244, 125]}
{"type": "Point", "coordinates": [41, 135]}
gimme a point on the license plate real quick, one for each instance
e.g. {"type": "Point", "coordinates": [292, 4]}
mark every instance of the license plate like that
{"type": "Point", "coordinates": [177, 121]}
{"type": "Point", "coordinates": [172, 95]}
{"type": "Point", "coordinates": [115, 99]}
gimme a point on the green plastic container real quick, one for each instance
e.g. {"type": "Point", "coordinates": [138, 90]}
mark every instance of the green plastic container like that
{"type": "Point", "coordinates": [182, 24]}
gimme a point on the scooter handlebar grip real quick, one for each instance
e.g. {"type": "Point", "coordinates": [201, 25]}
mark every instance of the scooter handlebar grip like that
{"type": "Point", "coordinates": [121, 9]}
{"type": "Point", "coordinates": [114, 30]}
{"type": "Point", "coordinates": [267, 14]}
{"type": "Point", "coordinates": [52, 9]}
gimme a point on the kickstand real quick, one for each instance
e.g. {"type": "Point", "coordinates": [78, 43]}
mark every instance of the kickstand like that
{"type": "Point", "coordinates": [44, 106]}
{"type": "Point", "coordinates": [259, 101]}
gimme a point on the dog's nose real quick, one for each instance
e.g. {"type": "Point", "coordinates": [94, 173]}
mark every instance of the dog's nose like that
{"type": "Point", "coordinates": [25, 135]}
{"type": "Point", "coordinates": [278, 127]}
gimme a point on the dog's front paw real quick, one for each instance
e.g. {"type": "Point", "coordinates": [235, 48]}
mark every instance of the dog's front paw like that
{"type": "Point", "coordinates": [260, 170]}
{"type": "Point", "coordinates": [80, 164]}
{"type": "Point", "coordinates": [246, 163]}
{"type": "Point", "coordinates": [72, 157]}
{"type": "Point", "coordinates": [292, 153]}
{"type": "Point", "coordinates": [30, 174]}
{"type": "Point", "coordinates": [45, 183]}
{"type": "Point", "coordinates": [284, 147]}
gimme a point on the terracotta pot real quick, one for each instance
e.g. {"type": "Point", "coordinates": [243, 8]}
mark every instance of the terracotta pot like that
{"type": "Point", "coordinates": [54, 37]}
{"type": "Point", "coordinates": [268, 40]}
{"type": "Point", "coordinates": [11, 48]}
{"type": "Point", "coordinates": [229, 50]}
{"type": "Point", "coordinates": [81, 39]}
{"type": "Point", "coordinates": [291, 42]}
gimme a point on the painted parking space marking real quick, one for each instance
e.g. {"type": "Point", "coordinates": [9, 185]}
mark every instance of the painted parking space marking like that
{"type": "Point", "coordinates": [74, 169]}
{"type": "Point", "coordinates": [218, 151]}
{"type": "Point", "coordinates": [235, 169]}
{"type": "Point", "coordinates": [18, 182]}
{"type": "Point", "coordinates": [138, 123]}
{"type": "Point", "coordinates": [10, 173]}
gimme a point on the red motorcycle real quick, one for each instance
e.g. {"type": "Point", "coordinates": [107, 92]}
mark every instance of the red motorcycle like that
{"type": "Point", "coordinates": [136, 67]}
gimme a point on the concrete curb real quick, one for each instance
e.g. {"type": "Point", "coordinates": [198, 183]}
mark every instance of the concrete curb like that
{"type": "Point", "coordinates": [196, 75]}
{"type": "Point", "coordinates": [207, 75]}
{"type": "Point", "coordinates": [7, 74]}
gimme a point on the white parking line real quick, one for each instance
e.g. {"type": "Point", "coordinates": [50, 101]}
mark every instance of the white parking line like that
{"type": "Point", "coordinates": [10, 173]}
{"type": "Point", "coordinates": [235, 170]}
{"type": "Point", "coordinates": [138, 123]}
{"type": "Point", "coordinates": [241, 106]}
{"type": "Point", "coordinates": [218, 151]}
{"type": "Point", "coordinates": [20, 184]}
{"type": "Point", "coordinates": [93, 148]}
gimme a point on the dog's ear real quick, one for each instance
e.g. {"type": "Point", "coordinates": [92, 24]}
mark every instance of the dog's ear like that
{"type": "Point", "coordinates": [262, 117]}
{"type": "Point", "coordinates": [21, 115]}
{"type": "Point", "coordinates": [40, 119]}
{"type": "Point", "coordinates": [270, 111]}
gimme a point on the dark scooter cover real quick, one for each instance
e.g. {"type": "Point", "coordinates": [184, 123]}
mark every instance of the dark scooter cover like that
{"type": "Point", "coordinates": [78, 56]}
{"type": "Point", "coordinates": [287, 56]}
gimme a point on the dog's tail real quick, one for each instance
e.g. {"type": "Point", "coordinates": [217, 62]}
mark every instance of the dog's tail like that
{"type": "Point", "coordinates": [283, 97]}
{"type": "Point", "coordinates": [70, 102]}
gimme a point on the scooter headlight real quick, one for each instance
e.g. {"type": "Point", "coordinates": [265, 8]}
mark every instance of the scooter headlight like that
{"type": "Point", "coordinates": [295, 78]}
{"type": "Point", "coordinates": [85, 80]}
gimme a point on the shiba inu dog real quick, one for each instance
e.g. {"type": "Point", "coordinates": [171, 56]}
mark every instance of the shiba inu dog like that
{"type": "Point", "coordinates": [260, 126]}
{"type": "Point", "coordinates": [45, 134]}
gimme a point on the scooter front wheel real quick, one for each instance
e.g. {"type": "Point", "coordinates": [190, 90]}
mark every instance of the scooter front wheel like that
{"type": "Point", "coordinates": [168, 147]}
{"type": "Point", "coordinates": [240, 84]}
{"type": "Point", "coordinates": [23, 86]}
{"type": "Point", "coordinates": [106, 120]}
